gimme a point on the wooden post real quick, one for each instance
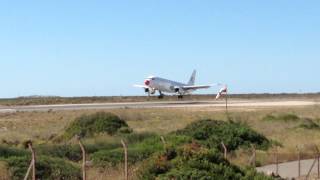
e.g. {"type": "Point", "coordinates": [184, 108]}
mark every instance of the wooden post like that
{"type": "Point", "coordinates": [28, 172]}
{"type": "Point", "coordinates": [277, 161]}
{"type": "Point", "coordinates": [254, 155]}
{"type": "Point", "coordinates": [318, 159]}
{"type": "Point", "coordinates": [318, 165]}
{"type": "Point", "coordinates": [225, 150]}
{"type": "Point", "coordinates": [125, 159]}
{"type": "Point", "coordinates": [299, 163]}
{"type": "Point", "coordinates": [32, 163]}
{"type": "Point", "coordinates": [164, 143]}
{"type": "Point", "coordinates": [84, 159]}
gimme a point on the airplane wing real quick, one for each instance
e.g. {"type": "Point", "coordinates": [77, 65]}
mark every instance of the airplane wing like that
{"type": "Point", "coordinates": [195, 87]}
{"type": "Point", "coordinates": [141, 86]}
{"type": "Point", "coordinates": [199, 86]}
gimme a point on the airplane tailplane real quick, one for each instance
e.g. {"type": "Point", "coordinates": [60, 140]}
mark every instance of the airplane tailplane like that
{"type": "Point", "coordinates": [192, 78]}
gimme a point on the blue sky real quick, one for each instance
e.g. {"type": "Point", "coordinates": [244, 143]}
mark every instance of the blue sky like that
{"type": "Point", "coordinates": [87, 48]}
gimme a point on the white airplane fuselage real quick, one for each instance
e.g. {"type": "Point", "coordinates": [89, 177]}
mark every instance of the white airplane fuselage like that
{"type": "Point", "coordinates": [153, 84]}
{"type": "Point", "coordinates": [165, 85]}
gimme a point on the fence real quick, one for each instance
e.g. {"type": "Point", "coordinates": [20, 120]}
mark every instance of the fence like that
{"type": "Point", "coordinates": [302, 164]}
{"type": "Point", "coordinates": [307, 163]}
{"type": "Point", "coordinates": [32, 165]}
{"type": "Point", "coordinates": [276, 159]}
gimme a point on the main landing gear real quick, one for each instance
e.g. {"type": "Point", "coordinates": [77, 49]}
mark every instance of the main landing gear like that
{"type": "Point", "coordinates": [161, 95]}
{"type": "Point", "coordinates": [180, 96]}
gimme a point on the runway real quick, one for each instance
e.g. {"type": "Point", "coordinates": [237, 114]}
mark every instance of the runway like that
{"type": "Point", "coordinates": [160, 104]}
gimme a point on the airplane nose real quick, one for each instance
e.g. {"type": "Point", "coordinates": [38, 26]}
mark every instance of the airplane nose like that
{"type": "Point", "coordinates": [147, 82]}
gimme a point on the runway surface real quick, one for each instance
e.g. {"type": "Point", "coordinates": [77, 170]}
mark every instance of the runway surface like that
{"type": "Point", "coordinates": [160, 104]}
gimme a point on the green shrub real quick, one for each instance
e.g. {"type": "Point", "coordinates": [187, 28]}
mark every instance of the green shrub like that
{"type": "Point", "coordinates": [281, 117]}
{"type": "Point", "coordinates": [288, 117]}
{"type": "Point", "coordinates": [192, 161]}
{"type": "Point", "coordinates": [46, 168]}
{"type": "Point", "coordinates": [92, 148]}
{"type": "Point", "coordinates": [89, 125]}
{"type": "Point", "coordinates": [116, 156]}
{"type": "Point", "coordinates": [134, 138]}
{"type": "Point", "coordinates": [269, 117]}
{"type": "Point", "coordinates": [309, 124]}
{"type": "Point", "coordinates": [207, 132]}
{"type": "Point", "coordinates": [141, 147]}
{"type": "Point", "coordinates": [136, 152]}
{"type": "Point", "coordinates": [73, 152]}
{"type": "Point", "coordinates": [6, 152]}
{"type": "Point", "coordinates": [305, 123]}
{"type": "Point", "coordinates": [211, 133]}
{"type": "Point", "coordinates": [125, 130]}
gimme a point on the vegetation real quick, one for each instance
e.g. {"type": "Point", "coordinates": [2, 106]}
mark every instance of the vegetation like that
{"type": "Point", "coordinates": [192, 161]}
{"type": "Point", "coordinates": [46, 168]}
{"type": "Point", "coordinates": [305, 123]}
{"type": "Point", "coordinates": [191, 153]}
{"type": "Point", "coordinates": [211, 133]}
{"type": "Point", "coordinates": [310, 124]}
{"type": "Point", "coordinates": [281, 117]}
{"type": "Point", "coordinates": [148, 125]}
{"type": "Point", "coordinates": [100, 122]}
{"type": "Point", "coordinates": [6, 152]}
{"type": "Point", "coordinates": [137, 151]}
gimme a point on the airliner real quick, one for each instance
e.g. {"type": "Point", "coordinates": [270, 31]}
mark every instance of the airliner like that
{"type": "Point", "coordinates": [153, 84]}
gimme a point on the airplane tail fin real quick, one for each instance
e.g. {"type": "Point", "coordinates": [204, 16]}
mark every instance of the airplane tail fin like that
{"type": "Point", "coordinates": [192, 78]}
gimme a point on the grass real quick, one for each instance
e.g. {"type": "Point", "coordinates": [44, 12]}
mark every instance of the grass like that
{"type": "Point", "coordinates": [4, 172]}
{"type": "Point", "coordinates": [41, 127]}
{"type": "Point", "coordinates": [22, 126]}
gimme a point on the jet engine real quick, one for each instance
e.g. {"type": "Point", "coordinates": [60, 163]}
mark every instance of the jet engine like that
{"type": "Point", "coordinates": [149, 90]}
{"type": "Point", "coordinates": [178, 90]}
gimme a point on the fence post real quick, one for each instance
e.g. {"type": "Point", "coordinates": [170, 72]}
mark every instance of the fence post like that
{"type": "Point", "coordinates": [318, 159]}
{"type": "Point", "coordinates": [28, 172]}
{"type": "Point", "coordinates": [299, 163]}
{"type": "Point", "coordinates": [164, 143]}
{"type": "Point", "coordinates": [314, 162]}
{"type": "Point", "coordinates": [125, 159]}
{"type": "Point", "coordinates": [277, 161]}
{"type": "Point", "coordinates": [32, 163]}
{"type": "Point", "coordinates": [84, 159]}
{"type": "Point", "coordinates": [254, 155]}
{"type": "Point", "coordinates": [225, 150]}
{"type": "Point", "coordinates": [318, 165]}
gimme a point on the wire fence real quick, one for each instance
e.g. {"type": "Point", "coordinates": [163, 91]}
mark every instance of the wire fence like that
{"type": "Point", "coordinates": [303, 164]}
